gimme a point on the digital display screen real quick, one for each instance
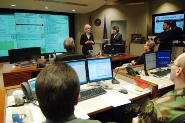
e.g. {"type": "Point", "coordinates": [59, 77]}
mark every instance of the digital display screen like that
{"type": "Point", "coordinates": [99, 69]}
{"type": "Point", "coordinates": [158, 21]}
{"type": "Point", "coordinates": [163, 59]}
{"type": "Point", "coordinates": [24, 30]}
{"type": "Point", "coordinates": [80, 69]}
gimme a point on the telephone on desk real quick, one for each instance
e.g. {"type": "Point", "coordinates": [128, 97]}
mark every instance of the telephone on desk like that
{"type": "Point", "coordinates": [130, 71]}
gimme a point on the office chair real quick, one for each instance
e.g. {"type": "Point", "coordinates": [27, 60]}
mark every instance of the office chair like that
{"type": "Point", "coordinates": [180, 119]}
{"type": "Point", "coordinates": [63, 57]}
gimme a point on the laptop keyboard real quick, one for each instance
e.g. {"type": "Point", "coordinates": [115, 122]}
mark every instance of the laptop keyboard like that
{"type": "Point", "coordinates": [162, 73]}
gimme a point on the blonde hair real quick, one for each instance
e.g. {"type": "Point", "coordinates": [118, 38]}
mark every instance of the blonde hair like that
{"type": "Point", "coordinates": [87, 26]}
{"type": "Point", "coordinates": [151, 45]}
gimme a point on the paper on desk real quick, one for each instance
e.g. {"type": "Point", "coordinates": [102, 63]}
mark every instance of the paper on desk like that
{"type": "Point", "coordinates": [115, 99]}
{"type": "Point", "coordinates": [80, 113]}
{"type": "Point", "coordinates": [132, 88]}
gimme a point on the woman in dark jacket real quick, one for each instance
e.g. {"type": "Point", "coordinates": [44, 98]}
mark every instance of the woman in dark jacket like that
{"type": "Point", "coordinates": [87, 40]}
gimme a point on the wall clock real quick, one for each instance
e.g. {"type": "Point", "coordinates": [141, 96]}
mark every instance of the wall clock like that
{"type": "Point", "coordinates": [97, 22]}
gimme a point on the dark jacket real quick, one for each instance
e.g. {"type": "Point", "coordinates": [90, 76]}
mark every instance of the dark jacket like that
{"type": "Point", "coordinates": [177, 34]}
{"type": "Point", "coordinates": [166, 39]}
{"type": "Point", "coordinates": [86, 47]}
{"type": "Point", "coordinates": [117, 39]}
{"type": "Point", "coordinates": [141, 59]}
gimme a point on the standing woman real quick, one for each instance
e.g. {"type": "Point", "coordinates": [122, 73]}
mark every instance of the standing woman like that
{"type": "Point", "coordinates": [87, 40]}
{"type": "Point", "coordinates": [116, 37]}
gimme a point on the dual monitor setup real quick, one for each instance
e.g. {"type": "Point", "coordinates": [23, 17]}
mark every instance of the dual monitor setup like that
{"type": "Point", "coordinates": [157, 60]}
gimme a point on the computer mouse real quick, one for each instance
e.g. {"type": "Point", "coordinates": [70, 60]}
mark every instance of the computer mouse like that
{"type": "Point", "coordinates": [124, 91]}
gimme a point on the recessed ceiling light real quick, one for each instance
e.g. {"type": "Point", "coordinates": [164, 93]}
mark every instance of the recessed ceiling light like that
{"type": "Point", "coordinates": [46, 7]}
{"type": "Point", "coordinates": [73, 10]}
{"type": "Point", "coordinates": [13, 5]}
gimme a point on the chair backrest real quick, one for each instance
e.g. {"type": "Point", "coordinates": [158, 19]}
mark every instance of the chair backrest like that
{"type": "Point", "coordinates": [70, 57]}
{"type": "Point", "coordinates": [180, 119]}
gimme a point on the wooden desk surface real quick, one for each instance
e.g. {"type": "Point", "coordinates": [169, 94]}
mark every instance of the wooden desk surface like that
{"type": "Point", "coordinates": [11, 68]}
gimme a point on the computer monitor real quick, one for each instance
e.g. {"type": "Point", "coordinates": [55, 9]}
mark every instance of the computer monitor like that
{"type": "Point", "coordinates": [114, 48]}
{"type": "Point", "coordinates": [163, 58]}
{"type": "Point", "coordinates": [150, 61]}
{"type": "Point", "coordinates": [99, 69]}
{"type": "Point", "coordinates": [17, 55]}
{"type": "Point", "coordinates": [80, 68]}
{"type": "Point", "coordinates": [33, 53]}
{"type": "Point", "coordinates": [32, 84]}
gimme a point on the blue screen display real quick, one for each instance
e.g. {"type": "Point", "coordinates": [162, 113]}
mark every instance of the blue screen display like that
{"type": "Point", "coordinates": [80, 69]}
{"type": "Point", "coordinates": [99, 69]}
{"type": "Point", "coordinates": [32, 85]}
{"type": "Point", "coordinates": [163, 59]}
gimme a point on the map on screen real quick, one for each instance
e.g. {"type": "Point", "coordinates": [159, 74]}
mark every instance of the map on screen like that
{"type": "Point", "coordinates": [23, 30]}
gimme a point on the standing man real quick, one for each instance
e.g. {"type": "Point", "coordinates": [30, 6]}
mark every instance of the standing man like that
{"type": "Point", "coordinates": [165, 38]}
{"type": "Point", "coordinates": [177, 31]}
{"type": "Point", "coordinates": [116, 37]}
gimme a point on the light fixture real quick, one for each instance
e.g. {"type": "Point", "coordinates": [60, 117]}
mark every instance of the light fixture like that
{"type": "Point", "coordinates": [73, 10]}
{"type": "Point", "coordinates": [46, 7]}
{"type": "Point", "coordinates": [13, 5]}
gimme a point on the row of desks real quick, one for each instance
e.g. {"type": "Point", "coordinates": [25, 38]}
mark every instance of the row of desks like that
{"type": "Point", "coordinates": [14, 75]}
{"type": "Point", "coordinates": [96, 105]}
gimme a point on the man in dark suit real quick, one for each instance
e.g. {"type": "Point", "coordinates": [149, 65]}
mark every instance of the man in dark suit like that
{"type": "Point", "coordinates": [165, 38]}
{"type": "Point", "coordinates": [177, 31]}
{"type": "Point", "coordinates": [116, 37]}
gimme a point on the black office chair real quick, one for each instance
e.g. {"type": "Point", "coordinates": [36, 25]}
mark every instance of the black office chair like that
{"type": "Point", "coordinates": [63, 57]}
{"type": "Point", "coordinates": [180, 119]}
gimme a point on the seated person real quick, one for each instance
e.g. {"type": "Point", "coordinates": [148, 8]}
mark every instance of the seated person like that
{"type": "Point", "coordinates": [149, 48]}
{"type": "Point", "coordinates": [69, 45]}
{"type": "Point", "coordinates": [171, 105]}
{"type": "Point", "coordinates": [57, 90]}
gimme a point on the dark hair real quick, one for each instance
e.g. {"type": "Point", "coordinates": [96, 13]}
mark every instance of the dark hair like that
{"type": "Point", "coordinates": [167, 22]}
{"type": "Point", "coordinates": [115, 28]}
{"type": "Point", "coordinates": [173, 23]}
{"type": "Point", "coordinates": [57, 90]}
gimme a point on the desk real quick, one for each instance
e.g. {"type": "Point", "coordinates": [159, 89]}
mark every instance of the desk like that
{"type": "Point", "coordinates": [91, 106]}
{"type": "Point", "coordinates": [14, 75]}
{"type": "Point", "coordinates": [164, 83]}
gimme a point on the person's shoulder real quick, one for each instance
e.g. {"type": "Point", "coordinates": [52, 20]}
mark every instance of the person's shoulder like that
{"type": "Point", "coordinates": [83, 121]}
{"type": "Point", "coordinates": [83, 34]}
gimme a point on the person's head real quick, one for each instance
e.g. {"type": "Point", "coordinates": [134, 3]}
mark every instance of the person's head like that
{"type": "Point", "coordinates": [57, 91]}
{"type": "Point", "coordinates": [166, 25]}
{"type": "Point", "coordinates": [177, 74]}
{"type": "Point", "coordinates": [87, 28]}
{"type": "Point", "coordinates": [115, 29]}
{"type": "Point", "coordinates": [69, 44]}
{"type": "Point", "coordinates": [173, 24]}
{"type": "Point", "coordinates": [149, 45]}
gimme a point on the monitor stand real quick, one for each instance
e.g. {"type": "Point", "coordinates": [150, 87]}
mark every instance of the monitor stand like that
{"type": "Point", "coordinates": [115, 81]}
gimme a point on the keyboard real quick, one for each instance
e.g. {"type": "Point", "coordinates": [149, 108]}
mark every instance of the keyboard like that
{"type": "Point", "coordinates": [25, 64]}
{"type": "Point", "coordinates": [90, 93]}
{"type": "Point", "coordinates": [162, 73]}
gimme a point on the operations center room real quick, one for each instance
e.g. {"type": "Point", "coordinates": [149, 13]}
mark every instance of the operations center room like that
{"type": "Point", "coordinates": [94, 61]}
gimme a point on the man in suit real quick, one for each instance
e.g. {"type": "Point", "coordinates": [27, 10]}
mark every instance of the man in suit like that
{"type": "Point", "coordinates": [177, 31]}
{"type": "Point", "coordinates": [58, 91]}
{"type": "Point", "coordinates": [116, 37]}
{"type": "Point", "coordinates": [69, 45]}
{"type": "Point", "coordinates": [171, 105]}
{"type": "Point", "coordinates": [165, 38]}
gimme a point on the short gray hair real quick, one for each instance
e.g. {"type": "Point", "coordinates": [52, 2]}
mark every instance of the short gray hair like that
{"type": "Point", "coordinates": [69, 44]}
{"type": "Point", "coordinates": [87, 26]}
